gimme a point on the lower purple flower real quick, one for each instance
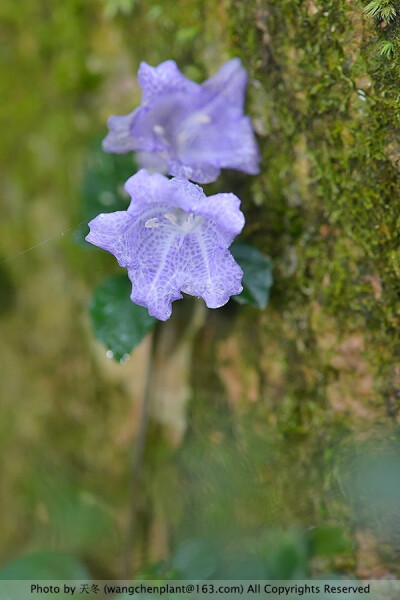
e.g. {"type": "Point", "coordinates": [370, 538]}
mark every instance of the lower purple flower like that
{"type": "Point", "coordinates": [173, 239]}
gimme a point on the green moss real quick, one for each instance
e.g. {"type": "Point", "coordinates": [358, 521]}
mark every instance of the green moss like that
{"type": "Point", "coordinates": [325, 103]}
{"type": "Point", "coordinates": [330, 184]}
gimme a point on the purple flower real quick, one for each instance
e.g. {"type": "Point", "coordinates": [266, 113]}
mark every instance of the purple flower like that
{"type": "Point", "coordinates": [186, 129]}
{"type": "Point", "coordinates": [173, 238]}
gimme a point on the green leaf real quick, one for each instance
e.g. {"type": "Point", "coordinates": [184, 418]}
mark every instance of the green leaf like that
{"type": "Point", "coordinates": [382, 9]}
{"type": "Point", "coordinates": [257, 278]}
{"type": "Point", "coordinates": [103, 185]}
{"type": "Point", "coordinates": [387, 49]}
{"type": "Point", "coordinates": [117, 321]}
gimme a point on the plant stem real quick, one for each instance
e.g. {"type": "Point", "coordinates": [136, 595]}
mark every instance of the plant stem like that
{"type": "Point", "coordinates": [138, 454]}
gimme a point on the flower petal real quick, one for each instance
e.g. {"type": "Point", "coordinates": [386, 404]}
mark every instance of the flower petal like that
{"type": "Point", "coordinates": [152, 161]}
{"type": "Point", "coordinates": [155, 81]}
{"type": "Point", "coordinates": [213, 274]}
{"type": "Point", "coordinates": [201, 173]}
{"type": "Point", "coordinates": [119, 138]}
{"type": "Point", "coordinates": [223, 209]}
{"type": "Point", "coordinates": [206, 148]}
{"type": "Point", "coordinates": [230, 81]}
{"type": "Point", "coordinates": [156, 274]}
{"type": "Point", "coordinates": [110, 231]}
{"type": "Point", "coordinates": [146, 189]}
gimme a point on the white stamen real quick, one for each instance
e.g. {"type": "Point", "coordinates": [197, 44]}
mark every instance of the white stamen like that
{"type": "Point", "coordinates": [182, 138]}
{"type": "Point", "coordinates": [171, 218]}
{"type": "Point", "coordinates": [186, 225]}
{"type": "Point", "coordinates": [159, 130]}
{"type": "Point", "coordinates": [202, 119]}
{"type": "Point", "coordinates": [190, 127]}
{"type": "Point", "coordinates": [150, 223]}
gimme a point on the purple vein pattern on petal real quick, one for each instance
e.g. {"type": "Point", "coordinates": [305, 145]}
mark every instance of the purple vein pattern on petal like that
{"type": "Point", "coordinates": [173, 239]}
{"type": "Point", "coordinates": [187, 129]}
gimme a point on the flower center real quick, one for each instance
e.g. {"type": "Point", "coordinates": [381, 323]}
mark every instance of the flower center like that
{"type": "Point", "coordinates": [181, 221]}
{"type": "Point", "coordinates": [191, 128]}
{"type": "Point", "coordinates": [177, 136]}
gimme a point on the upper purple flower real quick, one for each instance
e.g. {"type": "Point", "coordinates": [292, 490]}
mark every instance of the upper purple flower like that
{"type": "Point", "coordinates": [173, 238]}
{"type": "Point", "coordinates": [187, 129]}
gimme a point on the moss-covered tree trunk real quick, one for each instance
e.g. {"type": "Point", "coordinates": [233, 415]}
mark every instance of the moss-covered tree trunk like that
{"type": "Point", "coordinates": [326, 207]}
{"type": "Point", "coordinates": [290, 389]}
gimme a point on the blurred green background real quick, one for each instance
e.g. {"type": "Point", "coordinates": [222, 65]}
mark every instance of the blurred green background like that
{"type": "Point", "coordinates": [264, 456]}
